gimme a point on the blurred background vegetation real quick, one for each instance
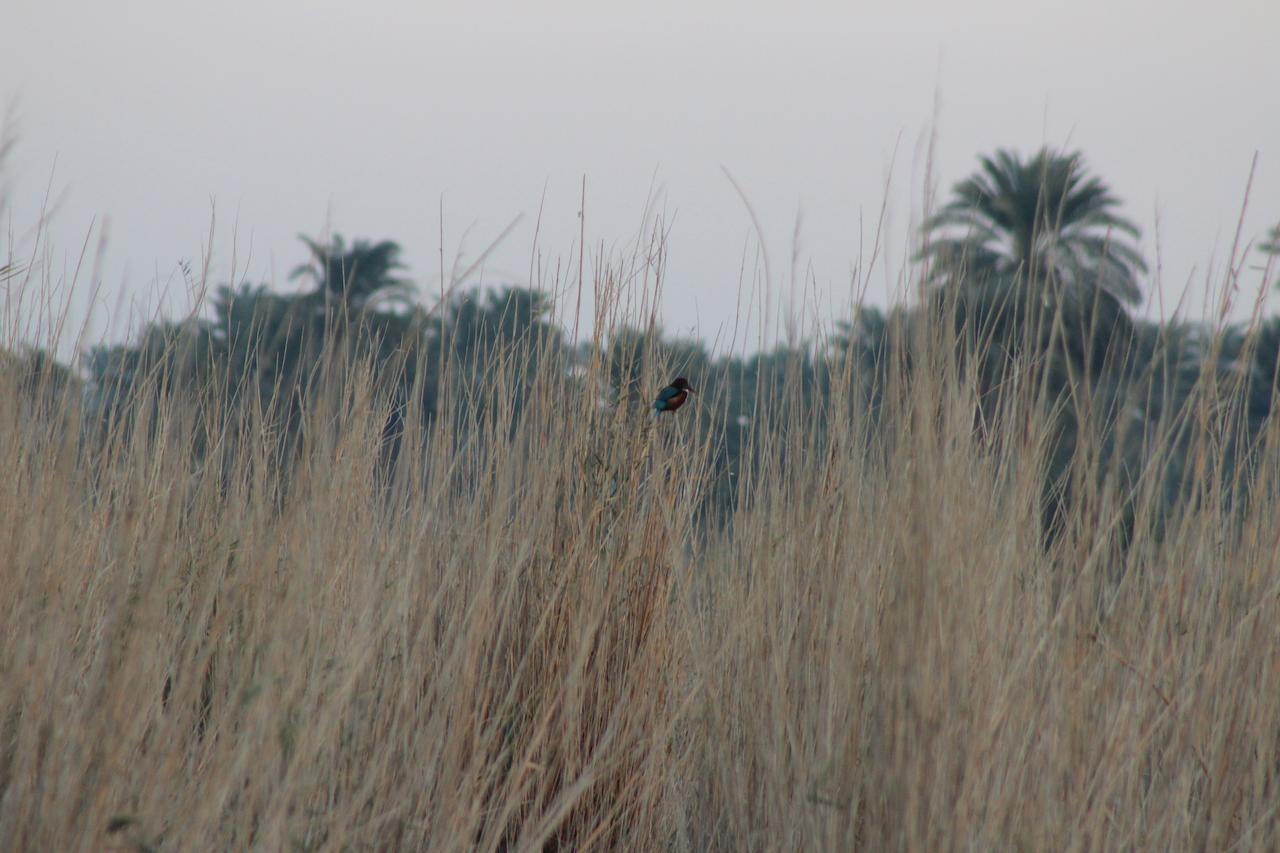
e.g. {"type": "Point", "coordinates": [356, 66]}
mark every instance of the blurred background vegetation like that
{"type": "Point", "coordinates": [1029, 262]}
{"type": "Point", "coordinates": [348, 567]}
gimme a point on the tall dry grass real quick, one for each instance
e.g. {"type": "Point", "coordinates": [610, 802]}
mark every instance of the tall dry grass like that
{"type": "Point", "coordinates": [521, 638]}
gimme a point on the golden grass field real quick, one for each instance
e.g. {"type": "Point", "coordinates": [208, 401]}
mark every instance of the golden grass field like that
{"type": "Point", "coordinates": [522, 639]}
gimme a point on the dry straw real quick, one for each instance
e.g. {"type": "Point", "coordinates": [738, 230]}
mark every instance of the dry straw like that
{"type": "Point", "coordinates": [529, 633]}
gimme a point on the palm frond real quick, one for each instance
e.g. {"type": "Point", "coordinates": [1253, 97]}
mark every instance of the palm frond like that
{"type": "Point", "coordinates": [1040, 217]}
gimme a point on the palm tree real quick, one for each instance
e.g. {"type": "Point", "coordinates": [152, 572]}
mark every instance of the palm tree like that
{"type": "Point", "coordinates": [355, 275]}
{"type": "Point", "coordinates": [1035, 222]}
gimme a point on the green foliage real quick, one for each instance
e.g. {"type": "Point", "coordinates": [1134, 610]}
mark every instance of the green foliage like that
{"type": "Point", "coordinates": [1271, 243]}
{"type": "Point", "coordinates": [356, 276]}
{"type": "Point", "coordinates": [1270, 249]}
{"type": "Point", "coordinates": [264, 351]}
{"type": "Point", "coordinates": [1038, 223]}
{"type": "Point", "coordinates": [1030, 270]}
{"type": "Point", "coordinates": [41, 382]}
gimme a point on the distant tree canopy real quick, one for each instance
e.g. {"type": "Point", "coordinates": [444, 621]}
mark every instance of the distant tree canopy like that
{"type": "Point", "coordinates": [274, 351]}
{"type": "Point", "coordinates": [357, 276]}
{"type": "Point", "coordinates": [1271, 243]}
{"type": "Point", "coordinates": [1042, 223]}
{"type": "Point", "coordinates": [37, 378]}
{"type": "Point", "coordinates": [1270, 248]}
{"type": "Point", "coordinates": [274, 343]}
{"type": "Point", "coordinates": [1030, 267]}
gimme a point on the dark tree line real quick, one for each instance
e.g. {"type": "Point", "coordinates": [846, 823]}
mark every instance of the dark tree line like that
{"type": "Point", "coordinates": [1029, 274]}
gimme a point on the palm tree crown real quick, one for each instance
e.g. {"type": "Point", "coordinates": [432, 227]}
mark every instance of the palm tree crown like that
{"type": "Point", "coordinates": [357, 274]}
{"type": "Point", "coordinates": [1035, 221]}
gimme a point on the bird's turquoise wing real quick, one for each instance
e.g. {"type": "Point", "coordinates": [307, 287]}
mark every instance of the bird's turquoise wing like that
{"type": "Point", "coordinates": [664, 396]}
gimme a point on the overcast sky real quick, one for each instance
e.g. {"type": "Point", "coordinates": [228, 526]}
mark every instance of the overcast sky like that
{"type": "Point", "coordinates": [371, 118]}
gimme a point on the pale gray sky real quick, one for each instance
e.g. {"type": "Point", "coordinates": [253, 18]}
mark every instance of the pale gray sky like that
{"type": "Point", "coordinates": [370, 116]}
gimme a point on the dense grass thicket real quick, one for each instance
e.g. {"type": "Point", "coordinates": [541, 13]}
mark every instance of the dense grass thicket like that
{"type": "Point", "coordinates": [525, 632]}
{"type": "Point", "coordinates": [997, 571]}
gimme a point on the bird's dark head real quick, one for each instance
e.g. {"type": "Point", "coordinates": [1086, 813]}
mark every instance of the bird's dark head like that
{"type": "Point", "coordinates": [682, 384]}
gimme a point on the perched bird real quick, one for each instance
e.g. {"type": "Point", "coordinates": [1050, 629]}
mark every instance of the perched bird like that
{"type": "Point", "coordinates": [673, 396]}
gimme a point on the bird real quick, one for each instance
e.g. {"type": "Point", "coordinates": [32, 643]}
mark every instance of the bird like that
{"type": "Point", "coordinates": [673, 396]}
